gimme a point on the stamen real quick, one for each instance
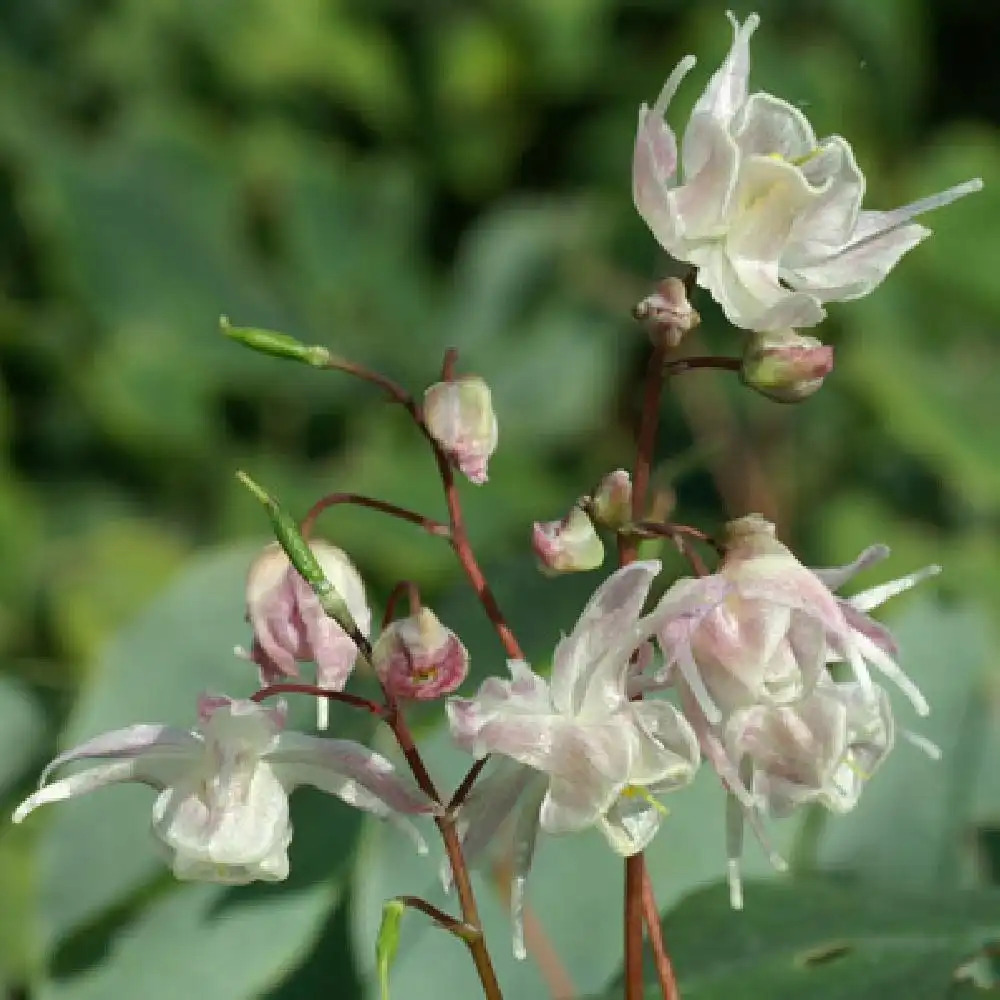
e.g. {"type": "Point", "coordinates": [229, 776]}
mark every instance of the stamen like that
{"type": "Point", "coordinates": [641, 792]}
{"type": "Point", "coordinates": [893, 671]}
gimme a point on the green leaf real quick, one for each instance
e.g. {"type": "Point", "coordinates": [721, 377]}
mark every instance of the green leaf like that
{"type": "Point", "coordinates": [819, 940]}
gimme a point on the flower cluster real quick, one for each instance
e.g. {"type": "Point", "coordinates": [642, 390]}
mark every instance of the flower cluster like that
{"type": "Point", "coordinates": [746, 650]}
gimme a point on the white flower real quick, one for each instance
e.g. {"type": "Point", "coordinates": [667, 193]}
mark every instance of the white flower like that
{"type": "Point", "coordinates": [770, 216]}
{"type": "Point", "coordinates": [588, 754]}
{"type": "Point", "coordinates": [222, 811]}
{"type": "Point", "coordinates": [821, 749]}
{"type": "Point", "coordinates": [460, 417]}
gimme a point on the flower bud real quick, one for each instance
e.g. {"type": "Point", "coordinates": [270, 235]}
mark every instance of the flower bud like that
{"type": "Point", "coordinates": [460, 417]}
{"type": "Point", "coordinates": [785, 366]}
{"type": "Point", "coordinates": [612, 501]}
{"type": "Point", "coordinates": [290, 625]}
{"type": "Point", "coordinates": [667, 314]}
{"type": "Point", "coordinates": [278, 345]}
{"type": "Point", "coordinates": [417, 657]}
{"type": "Point", "coordinates": [567, 546]}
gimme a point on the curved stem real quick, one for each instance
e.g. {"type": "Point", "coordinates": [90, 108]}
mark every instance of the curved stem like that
{"type": "Point", "coordinates": [343, 697]}
{"type": "Point", "coordinates": [429, 525]}
{"type": "Point", "coordinates": [412, 592]}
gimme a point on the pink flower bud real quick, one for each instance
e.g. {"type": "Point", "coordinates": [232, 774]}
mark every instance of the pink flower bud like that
{"type": "Point", "coordinates": [667, 314]}
{"type": "Point", "coordinates": [567, 546]}
{"type": "Point", "coordinates": [786, 366]}
{"type": "Point", "coordinates": [417, 657]}
{"type": "Point", "coordinates": [460, 418]}
{"type": "Point", "coordinates": [290, 626]}
{"type": "Point", "coordinates": [612, 500]}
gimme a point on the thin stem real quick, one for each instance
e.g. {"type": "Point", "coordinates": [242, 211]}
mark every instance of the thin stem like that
{"type": "Point", "coordinates": [429, 525]}
{"type": "Point", "coordinates": [471, 776]}
{"type": "Point", "coordinates": [645, 446]}
{"type": "Point", "coordinates": [661, 960]}
{"type": "Point", "coordinates": [412, 592]}
{"type": "Point", "coordinates": [444, 920]}
{"type": "Point", "coordinates": [719, 363]}
{"type": "Point", "coordinates": [272, 690]}
{"type": "Point", "coordinates": [635, 867]}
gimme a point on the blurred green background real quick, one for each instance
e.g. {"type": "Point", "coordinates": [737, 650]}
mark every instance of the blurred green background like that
{"type": "Point", "coordinates": [390, 178]}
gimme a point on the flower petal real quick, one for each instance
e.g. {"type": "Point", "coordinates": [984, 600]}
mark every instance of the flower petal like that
{"type": "Point", "coordinates": [667, 753]}
{"type": "Point", "coordinates": [522, 854]}
{"type": "Point", "coordinates": [590, 665]}
{"type": "Point", "coordinates": [874, 596]}
{"type": "Point", "coordinates": [834, 577]}
{"type": "Point", "coordinates": [630, 824]}
{"type": "Point", "coordinates": [353, 772]}
{"type": "Point", "coordinates": [769, 126]}
{"type": "Point", "coordinates": [727, 90]}
{"type": "Point", "coordinates": [83, 782]}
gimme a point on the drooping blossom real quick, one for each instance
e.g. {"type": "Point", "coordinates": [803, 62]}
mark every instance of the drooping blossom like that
{"type": "Point", "coordinates": [785, 366]}
{"type": "Point", "coordinates": [291, 627]}
{"type": "Point", "coordinates": [769, 215]}
{"type": "Point", "coordinates": [222, 810]}
{"type": "Point", "coordinates": [581, 753]}
{"type": "Point", "coordinates": [460, 417]}
{"type": "Point", "coordinates": [570, 545]}
{"type": "Point", "coordinates": [417, 657]}
{"type": "Point", "coordinates": [752, 674]}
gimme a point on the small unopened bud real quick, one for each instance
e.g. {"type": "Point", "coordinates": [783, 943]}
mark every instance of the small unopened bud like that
{"type": "Point", "coordinates": [417, 657]}
{"type": "Point", "coordinates": [611, 504]}
{"type": "Point", "coordinates": [667, 314]}
{"type": "Point", "coordinates": [278, 345]}
{"type": "Point", "coordinates": [786, 366]}
{"type": "Point", "coordinates": [567, 546]}
{"type": "Point", "coordinates": [460, 417]}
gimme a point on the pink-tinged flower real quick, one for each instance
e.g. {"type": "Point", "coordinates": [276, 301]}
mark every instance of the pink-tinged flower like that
{"type": "Point", "coordinates": [417, 657]}
{"type": "Point", "coordinates": [222, 810]}
{"type": "Point", "coordinates": [612, 501]}
{"type": "Point", "coordinates": [598, 757]}
{"type": "Point", "coordinates": [785, 366]}
{"type": "Point", "coordinates": [769, 215]}
{"type": "Point", "coordinates": [567, 546]}
{"type": "Point", "coordinates": [291, 627]}
{"type": "Point", "coordinates": [768, 640]}
{"type": "Point", "coordinates": [820, 749]}
{"type": "Point", "coordinates": [460, 417]}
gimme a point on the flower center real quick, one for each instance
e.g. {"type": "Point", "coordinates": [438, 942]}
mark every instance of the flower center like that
{"type": "Point", "coordinates": [642, 792]}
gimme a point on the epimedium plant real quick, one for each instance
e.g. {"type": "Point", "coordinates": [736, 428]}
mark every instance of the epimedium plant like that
{"type": "Point", "coordinates": [755, 666]}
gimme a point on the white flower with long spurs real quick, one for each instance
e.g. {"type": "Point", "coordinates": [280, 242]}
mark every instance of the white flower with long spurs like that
{"type": "Point", "coordinates": [222, 811]}
{"type": "Point", "coordinates": [769, 215]}
{"type": "Point", "coordinates": [598, 757]}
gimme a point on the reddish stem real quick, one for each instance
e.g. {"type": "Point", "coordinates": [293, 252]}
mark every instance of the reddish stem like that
{"type": "Point", "coordinates": [444, 920]}
{"type": "Point", "coordinates": [635, 867]}
{"type": "Point", "coordinates": [429, 525]}
{"type": "Point", "coordinates": [661, 960]}
{"type": "Point", "coordinates": [717, 362]}
{"type": "Point", "coordinates": [448, 365]}
{"type": "Point", "coordinates": [412, 592]}
{"type": "Point", "coordinates": [317, 692]}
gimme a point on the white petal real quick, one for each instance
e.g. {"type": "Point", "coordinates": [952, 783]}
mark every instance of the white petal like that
{"type": "Point", "coordinates": [874, 596]}
{"type": "Point", "coordinates": [711, 161]}
{"type": "Point", "coordinates": [132, 741]}
{"type": "Point", "coordinates": [881, 660]}
{"type": "Point", "coordinates": [769, 126]}
{"type": "Point", "coordinates": [727, 90]}
{"type": "Point", "coordinates": [667, 749]}
{"type": "Point", "coordinates": [653, 163]}
{"type": "Point", "coordinates": [222, 825]}
{"type": "Point", "coordinates": [855, 271]}
{"type": "Point", "coordinates": [834, 577]}
{"type": "Point", "coordinates": [342, 767]}
{"type": "Point", "coordinates": [630, 824]}
{"type": "Point", "coordinates": [522, 855]}
{"type": "Point", "coordinates": [80, 784]}
{"type": "Point", "coordinates": [588, 665]}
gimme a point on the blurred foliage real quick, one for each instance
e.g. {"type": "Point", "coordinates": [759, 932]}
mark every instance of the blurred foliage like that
{"type": "Point", "coordinates": [390, 178]}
